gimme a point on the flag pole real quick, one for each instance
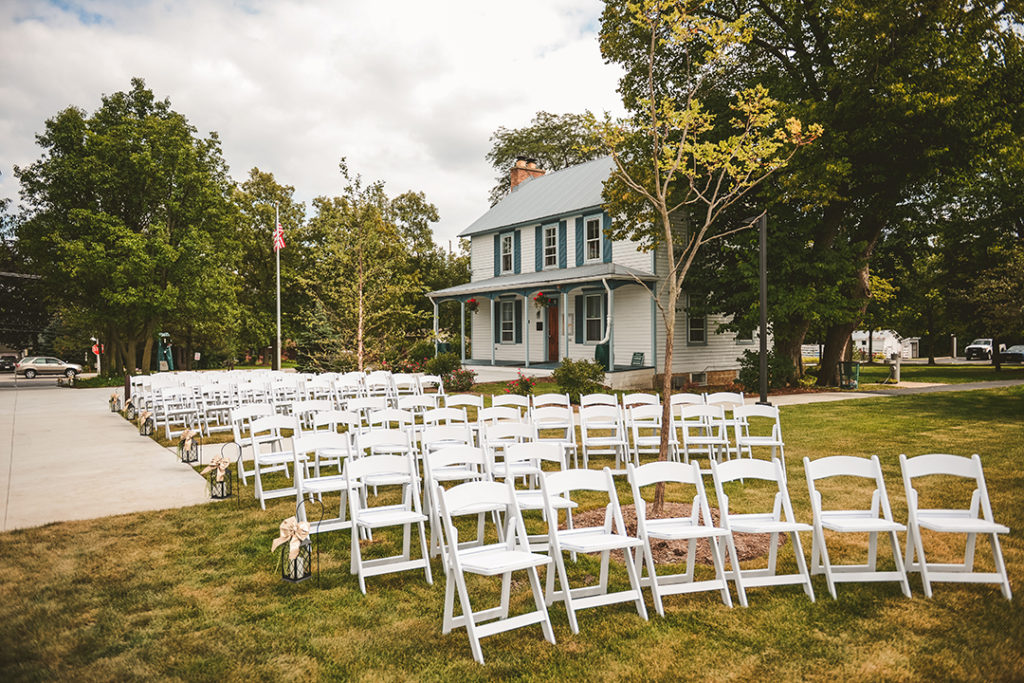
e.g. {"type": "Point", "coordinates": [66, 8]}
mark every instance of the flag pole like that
{"type": "Point", "coordinates": [277, 254]}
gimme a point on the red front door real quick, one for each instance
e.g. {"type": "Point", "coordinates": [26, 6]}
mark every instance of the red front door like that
{"type": "Point", "coordinates": [553, 334]}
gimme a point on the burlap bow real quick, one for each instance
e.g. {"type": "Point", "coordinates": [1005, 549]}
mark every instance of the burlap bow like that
{"type": "Point", "coordinates": [113, 397]}
{"type": "Point", "coordinates": [145, 415]}
{"type": "Point", "coordinates": [293, 532]}
{"type": "Point", "coordinates": [185, 443]}
{"type": "Point", "coordinates": [218, 463]}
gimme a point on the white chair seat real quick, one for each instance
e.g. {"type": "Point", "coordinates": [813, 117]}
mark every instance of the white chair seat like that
{"type": "Point", "coordinates": [764, 524]}
{"type": "Point", "coordinates": [324, 484]}
{"type": "Point", "coordinates": [491, 560]}
{"type": "Point", "coordinates": [857, 520]}
{"type": "Point", "coordinates": [594, 540]}
{"type": "Point", "coordinates": [519, 469]}
{"type": "Point", "coordinates": [386, 516]}
{"type": "Point", "coordinates": [759, 441]}
{"type": "Point", "coordinates": [681, 528]}
{"type": "Point", "coordinates": [386, 479]}
{"type": "Point", "coordinates": [534, 500]}
{"type": "Point", "coordinates": [958, 522]}
{"type": "Point", "coordinates": [278, 458]}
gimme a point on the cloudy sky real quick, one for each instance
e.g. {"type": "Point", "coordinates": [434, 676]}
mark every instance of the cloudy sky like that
{"type": "Point", "coordinates": [409, 91]}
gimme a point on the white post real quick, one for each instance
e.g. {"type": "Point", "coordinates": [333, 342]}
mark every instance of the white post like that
{"type": "Point", "coordinates": [462, 329]}
{"type": "Point", "coordinates": [526, 333]}
{"type": "Point", "coordinates": [277, 255]}
{"type": "Point", "coordinates": [611, 330]}
{"type": "Point", "coordinates": [437, 342]}
{"type": "Point", "coordinates": [565, 327]}
{"type": "Point", "coordinates": [493, 340]}
{"type": "Point", "coordinates": [99, 368]}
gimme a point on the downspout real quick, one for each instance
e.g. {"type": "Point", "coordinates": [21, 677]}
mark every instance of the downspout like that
{"type": "Point", "coordinates": [608, 322]}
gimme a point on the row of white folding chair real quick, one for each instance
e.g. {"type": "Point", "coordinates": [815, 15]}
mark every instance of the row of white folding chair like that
{"type": "Point", "coordinates": [973, 520]}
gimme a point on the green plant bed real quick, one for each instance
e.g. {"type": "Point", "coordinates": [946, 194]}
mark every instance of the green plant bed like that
{"type": "Point", "coordinates": [99, 381]}
{"type": "Point", "coordinates": [942, 374]}
{"type": "Point", "coordinates": [194, 594]}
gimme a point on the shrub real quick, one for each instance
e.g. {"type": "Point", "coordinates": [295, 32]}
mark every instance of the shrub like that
{"type": "Point", "coordinates": [443, 364]}
{"type": "Point", "coordinates": [421, 351]}
{"type": "Point", "coordinates": [576, 377]}
{"type": "Point", "coordinates": [459, 379]}
{"type": "Point", "coordinates": [779, 369]}
{"type": "Point", "coordinates": [521, 385]}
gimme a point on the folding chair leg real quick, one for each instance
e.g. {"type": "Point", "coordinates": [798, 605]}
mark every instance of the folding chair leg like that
{"type": "Point", "coordinates": [997, 555]}
{"type": "Point", "coordinates": [898, 557]}
{"type": "Point", "coordinates": [801, 565]}
{"type": "Point", "coordinates": [741, 593]}
{"type": "Point", "coordinates": [634, 581]}
{"type": "Point", "coordinates": [538, 601]}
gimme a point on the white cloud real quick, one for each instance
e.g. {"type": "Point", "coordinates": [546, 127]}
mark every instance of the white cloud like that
{"type": "Point", "coordinates": [409, 91]}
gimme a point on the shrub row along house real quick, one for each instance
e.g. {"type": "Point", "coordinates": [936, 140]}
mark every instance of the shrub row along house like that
{"type": "Point", "coordinates": [548, 283]}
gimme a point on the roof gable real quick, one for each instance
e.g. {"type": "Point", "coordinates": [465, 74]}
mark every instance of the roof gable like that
{"type": "Point", "coordinates": [548, 196]}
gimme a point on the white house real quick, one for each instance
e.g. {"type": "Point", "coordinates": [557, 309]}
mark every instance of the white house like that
{"type": "Point", "coordinates": [885, 342]}
{"type": "Point", "coordinates": [548, 239]}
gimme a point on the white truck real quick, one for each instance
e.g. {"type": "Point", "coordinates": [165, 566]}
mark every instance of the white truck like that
{"type": "Point", "coordinates": [979, 348]}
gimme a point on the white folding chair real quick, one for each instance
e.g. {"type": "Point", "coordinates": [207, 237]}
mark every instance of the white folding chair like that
{"type": "Point", "coordinates": [513, 400]}
{"type": "Point", "coordinates": [974, 520]}
{"type": "Point", "coordinates": [557, 419]}
{"type": "Point", "coordinates": [561, 400]}
{"type": "Point", "coordinates": [780, 520]}
{"type": "Point", "coordinates": [314, 446]}
{"type": "Point", "coordinates": [875, 520]}
{"type": "Point", "coordinates": [431, 384]}
{"type": "Point", "coordinates": [702, 431]}
{"type": "Point", "coordinates": [496, 414]}
{"type": "Point", "coordinates": [698, 525]}
{"type": "Point", "coordinates": [447, 465]}
{"type": "Point", "coordinates": [747, 439]}
{"type": "Point", "coordinates": [241, 419]}
{"type": "Point", "coordinates": [729, 401]}
{"type": "Point", "coordinates": [639, 399]}
{"type": "Point", "coordinates": [269, 431]}
{"type": "Point", "coordinates": [602, 433]}
{"type": "Point", "coordinates": [602, 539]}
{"type": "Point", "coordinates": [497, 437]}
{"type": "Point", "coordinates": [366, 518]}
{"type": "Point", "coordinates": [526, 460]}
{"type": "Point", "coordinates": [644, 423]}
{"type": "Point", "coordinates": [502, 558]}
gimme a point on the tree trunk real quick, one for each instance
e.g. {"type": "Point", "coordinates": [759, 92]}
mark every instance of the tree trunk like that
{"type": "Point", "coordinates": [871, 345]}
{"type": "Point", "coordinates": [835, 347]}
{"type": "Point", "coordinates": [788, 342]}
{"type": "Point", "coordinates": [666, 394]}
{"type": "Point", "coordinates": [147, 350]}
{"type": "Point", "coordinates": [995, 353]}
{"type": "Point", "coordinates": [360, 316]}
{"type": "Point", "coordinates": [131, 354]}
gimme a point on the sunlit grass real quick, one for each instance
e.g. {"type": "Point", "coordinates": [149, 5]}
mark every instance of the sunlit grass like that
{"type": "Point", "coordinates": [193, 594]}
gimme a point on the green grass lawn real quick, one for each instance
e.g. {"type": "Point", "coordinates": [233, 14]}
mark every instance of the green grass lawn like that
{"type": "Point", "coordinates": [192, 594]}
{"type": "Point", "coordinates": [942, 374]}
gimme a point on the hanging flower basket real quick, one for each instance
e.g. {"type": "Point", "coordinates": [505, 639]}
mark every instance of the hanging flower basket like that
{"type": "Point", "coordinates": [472, 305]}
{"type": "Point", "coordinates": [542, 300]}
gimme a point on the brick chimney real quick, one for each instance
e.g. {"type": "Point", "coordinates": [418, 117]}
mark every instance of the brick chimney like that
{"type": "Point", "coordinates": [523, 169]}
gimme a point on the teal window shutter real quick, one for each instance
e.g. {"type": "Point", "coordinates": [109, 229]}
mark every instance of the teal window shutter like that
{"type": "Point", "coordinates": [579, 241]}
{"type": "Point", "coordinates": [497, 322]}
{"type": "Point", "coordinates": [604, 313]}
{"type": "Point", "coordinates": [562, 240]}
{"type": "Point", "coordinates": [579, 319]}
{"type": "Point", "coordinates": [606, 245]}
{"type": "Point", "coordinates": [518, 323]}
{"type": "Point", "coordinates": [538, 247]}
{"type": "Point", "coordinates": [516, 260]}
{"type": "Point", "coordinates": [497, 255]}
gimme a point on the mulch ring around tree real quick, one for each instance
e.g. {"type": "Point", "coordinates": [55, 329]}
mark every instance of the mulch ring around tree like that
{"type": "Point", "coordinates": [748, 546]}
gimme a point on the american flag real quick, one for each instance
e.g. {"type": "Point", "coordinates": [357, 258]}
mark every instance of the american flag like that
{"type": "Point", "coordinates": [278, 238]}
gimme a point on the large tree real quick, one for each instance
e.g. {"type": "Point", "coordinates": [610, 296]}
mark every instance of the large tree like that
{"type": "Point", "coordinates": [128, 221]}
{"type": "Point", "coordinates": [556, 141]}
{"type": "Point", "coordinates": [909, 94]}
{"type": "Point", "coordinates": [678, 169]}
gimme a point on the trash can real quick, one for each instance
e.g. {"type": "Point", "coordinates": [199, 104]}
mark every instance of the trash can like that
{"type": "Point", "coordinates": [601, 355]}
{"type": "Point", "coordinates": [849, 374]}
{"type": "Point", "coordinates": [443, 347]}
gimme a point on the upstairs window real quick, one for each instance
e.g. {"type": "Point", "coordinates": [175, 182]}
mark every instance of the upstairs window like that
{"type": "Point", "coordinates": [550, 246]}
{"type": "Point", "coordinates": [506, 253]}
{"type": "Point", "coordinates": [593, 239]}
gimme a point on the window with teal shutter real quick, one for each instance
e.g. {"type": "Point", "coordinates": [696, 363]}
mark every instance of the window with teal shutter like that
{"type": "Point", "coordinates": [497, 255]}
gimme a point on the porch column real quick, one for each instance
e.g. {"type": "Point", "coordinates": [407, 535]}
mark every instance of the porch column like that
{"type": "Point", "coordinates": [462, 329]}
{"type": "Point", "coordinates": [493, 340]}
{"type": "Point", "coordinates": [611, 330]}
{"type": "Point", "coordinates": [526, 333]}
{"type": "Point", "coordinates": [565, 326]}
{"type": "Point", "coordinates": [654, 334]}
{"type": "Point", "coordinates": [436, 341]}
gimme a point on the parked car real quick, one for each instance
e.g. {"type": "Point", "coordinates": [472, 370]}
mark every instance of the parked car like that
{"type": "Point", "coordinates": [45, 365]}
{"type": "Point", "coordinates": [7, 362]}
{"type": "Point", "coordinates": [1014, 354]}
{"type": "Point", "coordinates": [979, 348]}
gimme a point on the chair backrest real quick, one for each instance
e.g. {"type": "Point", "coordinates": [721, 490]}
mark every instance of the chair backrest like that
{"type": "Point", "coordinates": [649, 413]}
{"type": "Point", "coordinates": [742, 469]}
{"type": "Point", "coordinates": [445, 434]}
{"type": "Point", "coordinates": [600, 417]}
{"type": "Point", "coordinates": [514, 400]}
{"type": "Point", "coordinates": [357, 469]}
{"type": "Point", "coordinates": [391, 418]}
{"type": "Point", "coordinates": [599, 400]}
{"type": "Point", "coordinates": [664, 471]}
{"type": "Point", "coordinates": [504, 432]}
{"type": "Point", "coordinates": [640, 399]}
{"type": "Point", "coordinates": [242, 416]}
{"type": "Point", "coordinates": [551, 400]}
{"type": "Point", "coordinates": [847, 466]}
{"type": "Point", "coordinates": [438, 416]}
{"type": "Point", "coordinates": [701, 412]}
{"type": "Point", "coordinates": [405, 382]}
{"type": "Point", "coordinates": [685, 399]}
{"type": "Point", "coordinates": [491, 416]}
{"type": "Point", "coordinates": [382, 441]}
{"type": "Point", "coordinates": [464, 401]}
{"type": "Point", "coordinates": [951, 465]}
{"type": "Point", "coordinates": [451, 456]}
{"type": "Point", "coordinates": [417, 403]}
{"type": "Point", "coordinates": [552, 417]}
{"type": "Point", "coordinates": [311, 442]}
{"type": "Point", "coordinates": [431, 384]}
{"type": "Point", "coordinates": [272, 425]}
{"type": "Point", "coordinates": [727, 399]}
{"type": "Point", "coordinates": [472, 498]}
{"type": "Point", "coordinates": [364, 405]}
{"type": "Point", "coordinates": [303, 408]}
{"type": "Point", "coordinates": [756, 410]}
{"type": "Point", "coordinates": [535, 451]}
{"type": "Point", "coordinates": [337, 418]}
{"type": "Point", "coordinates": [564, 482]}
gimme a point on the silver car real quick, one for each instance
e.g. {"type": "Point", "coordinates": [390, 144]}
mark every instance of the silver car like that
{"type": "Point", "coordinates": [45, 365]}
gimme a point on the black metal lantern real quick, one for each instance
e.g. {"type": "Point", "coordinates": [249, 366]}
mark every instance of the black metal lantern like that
{"type": "Point", "coordinates": [129, 410]}
{"type": "Point", "coordinates": [300, 568]}
{"type": "Point", "coordinates": [188, 448]}
{"type": "Point", "coordinates": [147, 425]}
{"type": "Point", "coordinates": [115, 403]}
{"type": "Point", "coordinates": [220, 488]}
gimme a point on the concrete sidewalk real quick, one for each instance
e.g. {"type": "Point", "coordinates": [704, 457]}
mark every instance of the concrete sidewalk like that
{"type": "Point", "coordinates": [65, 456]}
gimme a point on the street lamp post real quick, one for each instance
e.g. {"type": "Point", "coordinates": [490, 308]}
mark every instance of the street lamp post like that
{"type": "Point", "coordinates": [762, 228]}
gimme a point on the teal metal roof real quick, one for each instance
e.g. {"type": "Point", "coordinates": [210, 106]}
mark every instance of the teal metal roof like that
{"type": "Point", "coordinates": [547, 197]}
{"type": "Point", "coordinates": [562, 277]}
